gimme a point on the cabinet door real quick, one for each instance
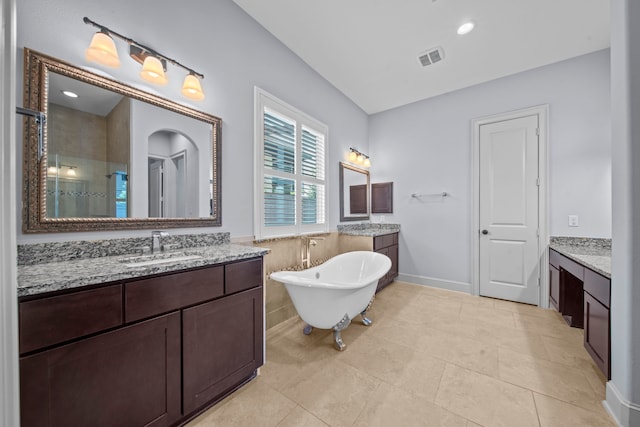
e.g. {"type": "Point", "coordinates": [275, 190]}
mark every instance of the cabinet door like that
{"type": "Point", "coordinates": [554, 287]}
{"type": "Point", "coordinates": [392, 253]}
{"type": "Point", "coordinates": [222, 346]}
{"type": "Point", "coordinates": [128, 377]}
{"type": "Point", "coordinates": [596, 332]}
{"type": "Point", "coordinates": [384, 280]}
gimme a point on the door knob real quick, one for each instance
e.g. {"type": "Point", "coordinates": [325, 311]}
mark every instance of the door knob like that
{"type": "Point", "coordinates": [485, 231]}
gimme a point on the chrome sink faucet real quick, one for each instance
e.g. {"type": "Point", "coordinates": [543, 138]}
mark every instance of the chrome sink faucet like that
{"type": "Point", "coordinates": [156, 237]}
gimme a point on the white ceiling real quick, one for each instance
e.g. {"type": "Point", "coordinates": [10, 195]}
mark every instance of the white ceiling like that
{"type": "Point", "coordinates": [368, 49]}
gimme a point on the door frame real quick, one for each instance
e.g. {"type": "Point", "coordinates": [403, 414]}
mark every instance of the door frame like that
{"type": "Point", "coordinates": [542, 111]}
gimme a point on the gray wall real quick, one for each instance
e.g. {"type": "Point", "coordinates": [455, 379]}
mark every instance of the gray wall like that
{"type": "Point", "coordinates": [425, 147]}
{"type": "Point", "coordinates": [231, 50]}
{"type": "Point", "coordinates": [623, 391]}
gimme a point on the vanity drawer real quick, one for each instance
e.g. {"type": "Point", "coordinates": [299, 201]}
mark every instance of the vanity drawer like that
{"type": "Point", "coordinates": [243, 275]}
{"type": "Point", "coordinates": [150, 297]}
{"type": "Point", "coordinates": [385, 241]}
{"type": "Point", "coordinates": [48, 321]}
{"type": "Point", "coordinates": [572, 267]}
{"type": "Point", "coordinates": [598, 286]}
{"type": "Point", "coordinates": [554, 258]}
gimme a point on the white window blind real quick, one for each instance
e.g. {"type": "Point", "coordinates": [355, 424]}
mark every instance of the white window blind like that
{"type": "Point", "coordinates": [290, 158]}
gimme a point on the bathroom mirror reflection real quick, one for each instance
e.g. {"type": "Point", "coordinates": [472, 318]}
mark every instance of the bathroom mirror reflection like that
{"type": "Point", "coordinates": [114, 155]}
{"type": "Point", "coordinates": [354, 193]}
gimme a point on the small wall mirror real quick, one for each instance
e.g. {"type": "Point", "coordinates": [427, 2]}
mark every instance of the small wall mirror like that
{"type": "Point", "coordinates": [382, 197]}
{"type": "Point", "coordinates": [354, 193]}
{"type": "Point", "coordinates": [114, 157]}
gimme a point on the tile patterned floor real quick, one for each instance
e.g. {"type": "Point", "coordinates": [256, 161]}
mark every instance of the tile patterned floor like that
{"type": "Point", "coordinates": [431, 358]}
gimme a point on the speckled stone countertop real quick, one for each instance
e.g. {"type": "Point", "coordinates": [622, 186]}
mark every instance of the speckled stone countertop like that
{"type": "Point", "coordinates": [368, 229]}
{"type": "Point", "coordinates": [592, 253]}
{"type": "Point", "coordinates": [42, 277]}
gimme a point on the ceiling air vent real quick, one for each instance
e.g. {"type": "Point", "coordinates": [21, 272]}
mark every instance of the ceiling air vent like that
{"type": "Point", "coordinates": [431, 56]}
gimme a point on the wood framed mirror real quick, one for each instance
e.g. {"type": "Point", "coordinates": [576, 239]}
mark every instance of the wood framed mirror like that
{"type": "Point", "coordinates": [115, 157]}
{"type": "Point", "coordinates": [354, 193]}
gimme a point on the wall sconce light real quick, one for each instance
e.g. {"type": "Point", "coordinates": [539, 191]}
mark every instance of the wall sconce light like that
{"type": "Point", "coordinates": [57, 170]}
{"type": "Point", "coordinates": [356, 156]}
{"type": "Point", "coordinates": [154, 64]}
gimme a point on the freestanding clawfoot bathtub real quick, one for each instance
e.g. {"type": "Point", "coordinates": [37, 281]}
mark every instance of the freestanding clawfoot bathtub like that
{"type": "Point", "coordinates": [330, 295]}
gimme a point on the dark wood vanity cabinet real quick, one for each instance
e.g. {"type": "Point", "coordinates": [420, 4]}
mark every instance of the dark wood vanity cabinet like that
{"type": "Point", "coordinates": [582, 296]}
{"type": "Point", "coordinates": [130, 376]}
{"type": "Point", "coordinates": [387, 244]}
{"type": "Point", "coordinates": [597, 319]}
{"type": "Point", "coordinates": [147, 352]}
{"type": "Point", "coordinates": [222, 345]}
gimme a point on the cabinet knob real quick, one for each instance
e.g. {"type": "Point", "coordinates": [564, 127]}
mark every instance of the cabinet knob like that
{"type": "Point", "coordinates": [485, 231]}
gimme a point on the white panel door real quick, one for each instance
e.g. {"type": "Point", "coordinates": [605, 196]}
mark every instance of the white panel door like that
{"type": "Point", "coordinates": [509, 266]}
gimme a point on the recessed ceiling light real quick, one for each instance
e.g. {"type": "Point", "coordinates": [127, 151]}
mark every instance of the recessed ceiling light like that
{"type": "Point", "coordinates": [465, 28]}
{"type": "Point", "coordinates": [69, 93]}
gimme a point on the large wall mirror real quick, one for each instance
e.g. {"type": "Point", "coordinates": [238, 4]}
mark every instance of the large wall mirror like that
{"type": "Point", "coordinates": [354, 193]}
{"type": "Point", "coordinates": [114, 157]}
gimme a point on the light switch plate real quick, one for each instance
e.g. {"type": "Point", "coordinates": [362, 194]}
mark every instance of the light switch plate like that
{"type": "Point", "coordinates": [573, 221]}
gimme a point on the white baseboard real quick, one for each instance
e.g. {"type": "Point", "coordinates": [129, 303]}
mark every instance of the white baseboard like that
{"type": "Point", "coordinates": [436, 283]}
{"type": "Point", "coordinates": [625, 413]}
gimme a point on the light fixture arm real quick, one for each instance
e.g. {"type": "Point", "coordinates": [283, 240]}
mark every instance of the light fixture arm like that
{"type": "Point", "coordinates": [41, 119]}
{"type": "Point", "coordinates": [132, 42]}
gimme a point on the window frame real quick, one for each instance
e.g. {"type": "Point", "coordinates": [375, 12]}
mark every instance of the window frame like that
{"type": "Point", "coordinates": [264, 100]}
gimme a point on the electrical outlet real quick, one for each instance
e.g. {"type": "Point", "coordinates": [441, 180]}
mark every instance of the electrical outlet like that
{"type": "Point", "coordinates": [573, 221]}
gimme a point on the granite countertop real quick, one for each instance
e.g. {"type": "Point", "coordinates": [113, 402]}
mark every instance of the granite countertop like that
{"type": "Point", "coordinates": [54, 276]}
{"type": "Point", "coordinates": [368, 229]}
{"type": "Point", "coordinates": [592, 253]}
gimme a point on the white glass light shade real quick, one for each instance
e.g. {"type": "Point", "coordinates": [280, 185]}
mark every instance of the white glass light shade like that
{"type": "Point", "coordinates": [71, 172]}
{"type": "Point", "coordinates": [191, 88]}
{"type": "Point", "coordinates": [353, 156]}
{"type": "Point", "coordinates": [367, 162]}
{"type": "Point", "coordinates": [103, 50]}
{"type": "Point", "coordinates": [360, 158]}
{"type": "Point", "coordinates": [52, 170]}
{"type": "Point", "coordinates": [152, 71]}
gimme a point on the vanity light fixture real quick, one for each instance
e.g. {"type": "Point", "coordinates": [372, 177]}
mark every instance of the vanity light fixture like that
{"type": "Point", "coordinates": [356, 156]}
{"type": "Point", "coordinates": [152, 71]}
{"type": "Point", "coordinates": [154, 64]}
{"type": "Point", "coordinates": [103, 50]}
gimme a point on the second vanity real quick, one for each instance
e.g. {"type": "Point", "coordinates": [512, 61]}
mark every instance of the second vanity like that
{"type": "Point", "coordinates": [117, 340]}
{"type": "Point", "coordinates": [580, 289]}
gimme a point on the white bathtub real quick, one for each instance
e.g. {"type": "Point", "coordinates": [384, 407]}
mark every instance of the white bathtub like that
{"type": "Point", "coordinates": [330, 295]}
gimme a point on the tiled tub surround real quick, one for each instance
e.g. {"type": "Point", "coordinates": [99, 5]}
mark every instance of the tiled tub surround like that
{"type": "Point", "coordinates": [50, 267]}
{"type": "Point", "coordinates": [592, 253]}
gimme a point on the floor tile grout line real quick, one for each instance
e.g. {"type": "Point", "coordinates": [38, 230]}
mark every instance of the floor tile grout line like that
{"type": "Point", "coordinates": [535, 405]}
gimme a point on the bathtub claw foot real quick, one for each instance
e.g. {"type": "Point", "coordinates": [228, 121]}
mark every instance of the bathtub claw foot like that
{"type": "Point", "coordinates": [340, 345]}
{"type": "Point", "coordinates": [337, 332]}
{"type": "Point", "coordinates": [365, 320]}
{"type": "Point", "coordinates": [307, 329]}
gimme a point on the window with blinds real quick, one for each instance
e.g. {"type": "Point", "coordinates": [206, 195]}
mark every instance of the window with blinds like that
{"type": "Point", "coordinates": [290, 150]}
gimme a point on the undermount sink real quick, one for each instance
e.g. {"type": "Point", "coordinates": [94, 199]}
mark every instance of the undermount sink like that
{"type": "Point", "coordinates": [162, 258]}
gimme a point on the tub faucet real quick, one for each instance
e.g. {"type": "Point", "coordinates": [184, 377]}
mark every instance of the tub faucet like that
{"type": "Point", "coordinates": [307, 242]}
{"type": "Point", "coordinates": [156, 237]}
